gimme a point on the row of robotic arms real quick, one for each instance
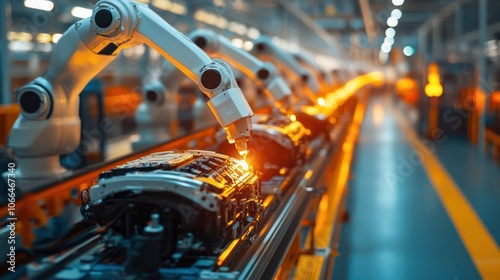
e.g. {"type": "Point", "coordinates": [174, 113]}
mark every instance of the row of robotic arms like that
{"type": "Point", "coordinates": [181, 209]}
{"type": "Point", "coordinates": [258, 65]}
{"type": "Point", "coordinates": [49, 125]}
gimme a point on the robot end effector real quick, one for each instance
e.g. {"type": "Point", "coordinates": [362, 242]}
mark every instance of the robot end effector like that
{"type": "Point", "coordinates": [229, 106]}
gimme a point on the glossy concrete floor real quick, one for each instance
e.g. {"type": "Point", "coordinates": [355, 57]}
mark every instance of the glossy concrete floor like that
{"type": "Point", "coordinates": [398, 228]}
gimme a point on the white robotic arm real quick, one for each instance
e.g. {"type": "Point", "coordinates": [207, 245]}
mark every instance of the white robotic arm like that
{"type": "Point", "coordinates": [153, 115]}
{"type": "Point", "coordinates": [324, 76]}
{"type": "Point", "coordinates": [49, 124]}
{"type": "Point", "coordinates": [263, 73]}
{"type": "Point", "coordinates": [266, 50]}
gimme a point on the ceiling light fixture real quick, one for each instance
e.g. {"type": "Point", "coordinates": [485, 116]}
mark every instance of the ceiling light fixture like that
{"type": "Point", "coordinates": [392, 22]}
{"type": "Point", "coordinates": [43, 5]}
{"type": "Point", "coordinates": [398, 2]}
{"type": "Point", "coordinates": [386, 48]}
{"type": "Point", "coordinates": [396, 13]}
{"type": "Point", "coordinates": [408, 51]}
{"type": "Point", "coordinates": [56, 37]}
{"type": "Point", "coordinates": [80, 12]}
{"type": "Point", "coordinates": [389, 41]}
{"type": "Point", "coordinates": [390, 32]}
{"type": "Point", "coordinates": [43, 38]}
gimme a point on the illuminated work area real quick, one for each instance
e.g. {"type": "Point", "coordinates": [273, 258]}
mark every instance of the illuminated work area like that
{"type": "Point", "coordinates": [241, 139]}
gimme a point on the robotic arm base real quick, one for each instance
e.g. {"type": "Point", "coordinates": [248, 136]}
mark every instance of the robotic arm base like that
{"type": "Point", "coordinates": [31, 172]}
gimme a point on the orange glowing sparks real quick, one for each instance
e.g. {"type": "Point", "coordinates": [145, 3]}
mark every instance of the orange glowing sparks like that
{"type": "Point", "coordinates": [338, 97]}
{"type": "Point", "coordinates": [293, 118]}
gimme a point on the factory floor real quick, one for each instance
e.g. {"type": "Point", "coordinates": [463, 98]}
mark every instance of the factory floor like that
{"type": "Point", "coordinates": [418, 209]}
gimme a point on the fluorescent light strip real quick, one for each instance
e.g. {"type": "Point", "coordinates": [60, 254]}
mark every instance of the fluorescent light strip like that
{"type": "Point", "coordinates": [56, 37]}
{"type": "Point", "coordinates": [43, 5]}
{"type": "Point", "coordinates": [390, 32]}
{"type": "Point", "coordinates": [237, 42]}
{"type": "Point", "coordinates": [178, 9]}
{"type": "Point", "coordinates": [386, 48]}
{"type": "Point", "coordinates": [80, 12]}
{"type": "Point", "coordinates": [18, 46]}
{"type": "Point", "coordinates": [238, 28]}
{"type": "Point", "coordinates": [396, 13]}
{"type": "Point", "coordinates": [43, 38]}
{"type": "Point", "coordinates": [392, 22]}
{"type": "Point", "coordinates": [19, 36]}
{"type": "Point", "coordinates": [389, 41]}
{"type": "Point", "coordinates": [398, 2]}
{"type": "Point", "coordinates": [248, 45]}
{"type": "Point", "coordinates": [253, 33]}
{"type": "Point", "coordinates": [169, 6]}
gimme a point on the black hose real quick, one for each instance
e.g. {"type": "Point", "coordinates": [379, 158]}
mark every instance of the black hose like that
{"type": "Point", "coordinates": [80, 232]}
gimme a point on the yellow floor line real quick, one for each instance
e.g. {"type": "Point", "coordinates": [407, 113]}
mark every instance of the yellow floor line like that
{"type": "Point", "coordinates": [337, 187]}
{"type": "Point", "coordinates": [309, 266]}
{"type": "Point", "coordinates": [481, 246]}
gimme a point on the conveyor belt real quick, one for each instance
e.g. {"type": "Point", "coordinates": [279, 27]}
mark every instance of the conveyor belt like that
{"type": "Point", "coordinates": [274, 240]}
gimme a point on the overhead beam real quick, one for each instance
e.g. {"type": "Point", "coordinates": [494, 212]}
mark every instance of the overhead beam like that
{"type": "Point", "coordinates": [370, 27]}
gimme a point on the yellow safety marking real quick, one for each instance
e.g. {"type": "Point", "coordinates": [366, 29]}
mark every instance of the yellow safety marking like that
{"type": "Point", "coordinates": [478, 241]}
{"type": "Point", "coordinates": [309, 267]}
{"type": "Point", "coordinates": [338, 185]}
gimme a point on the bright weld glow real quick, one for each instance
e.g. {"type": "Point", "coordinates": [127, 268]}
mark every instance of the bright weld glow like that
{"type": "Point", "coordinates": [244, 164]}
{"type": "Point", "coordinates": [80, 12]}
{"type": "Point", "coordinates": [43, 5]}
{"type": "Point", "coordinates": [390, 32]}
{"type": "Point", "coordinates": [293, 118]}
{"type": "Point", "coordinates": [321, 101]}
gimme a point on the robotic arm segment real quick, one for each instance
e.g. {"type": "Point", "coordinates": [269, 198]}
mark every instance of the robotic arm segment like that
{"type": "Point", "coordinates": [306, 59]}
{"type": "Point", "coordinates": [265, 49]}
{"type": "Point", "coordinates": [263, 73]}
{"type": "Point", "coordinates": [214, 78]}
{"type": "Point", "coordinates": [154, 93]}
{"type": "Point", "coordinates": [231, 110]}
